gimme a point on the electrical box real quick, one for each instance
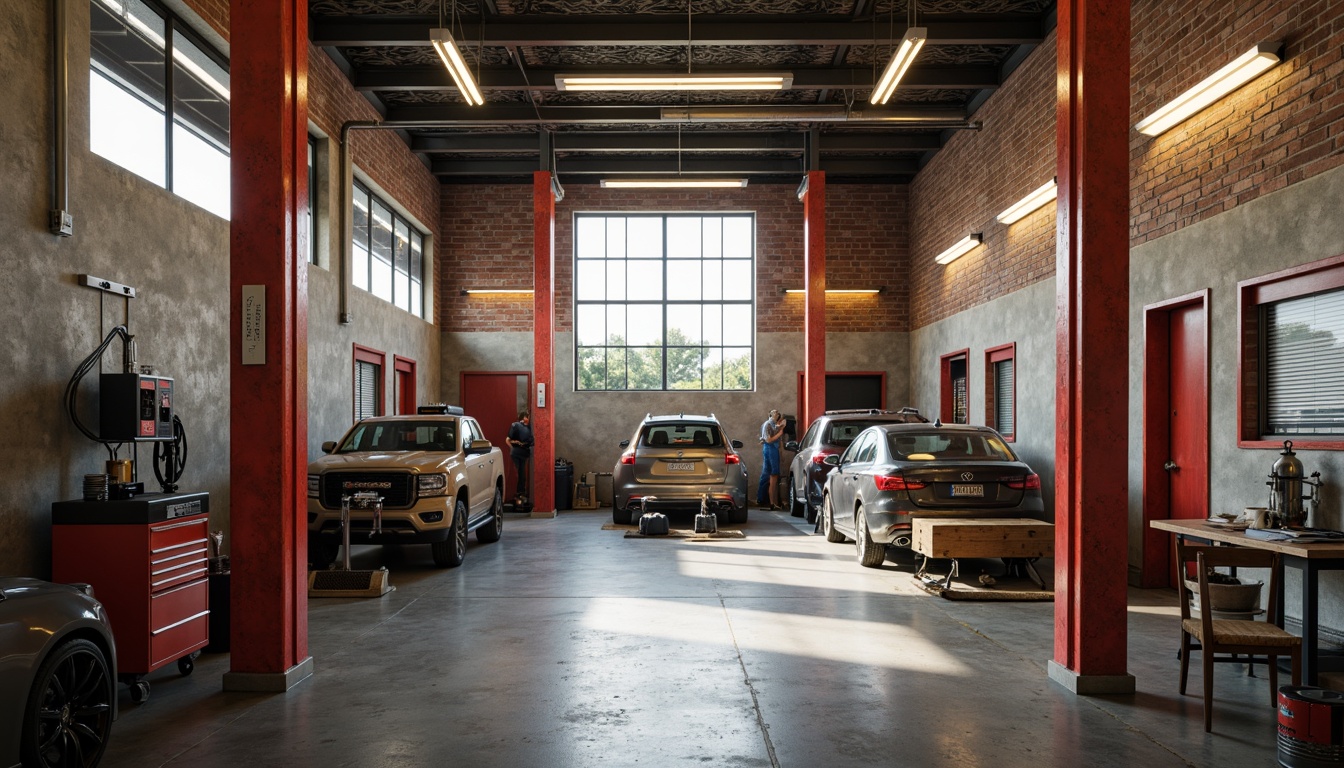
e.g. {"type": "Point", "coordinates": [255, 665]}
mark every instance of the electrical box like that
{"type": "Point", "coordinates": [135, 407]}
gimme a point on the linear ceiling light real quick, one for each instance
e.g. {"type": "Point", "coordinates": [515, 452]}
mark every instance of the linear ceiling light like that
{"type": "Point", "coordinates": [494, 291]}
{"type": "Point", "coordinates": [900, 62]}
{"type": "Point", "coordinates": [865, 291]}
{"type": "Point", "coordinates": [1047, 192]}
{"type": "Point", "coordinates": [1242, 70]}
{"type": "Point", "coordinates": [757, 81]}
{"type": "Point", "coordinates": [673, 183]}
{"type": "Point", "coordinates": [961, 248]}
{"type": "Point", "coordinates": [457, 66]}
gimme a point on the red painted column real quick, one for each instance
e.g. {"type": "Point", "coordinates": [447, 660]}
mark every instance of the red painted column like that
{"type": "Point", "coordinates": [1092, 347]}
{"type": "Point", "coordinates": [814, 314]}
{"type": "Point", "coordinates": [543, 344]}
{"type": "Point", "coordinates": [268, 421]}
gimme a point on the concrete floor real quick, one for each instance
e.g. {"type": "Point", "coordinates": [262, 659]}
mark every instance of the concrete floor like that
{"type": "Point", "coordinates": [566, 645]}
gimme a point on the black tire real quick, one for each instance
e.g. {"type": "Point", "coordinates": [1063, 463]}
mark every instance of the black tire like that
{"type": "Point", "coordinates": [139, 691]}
{"type": "Point", "coordinates": [450, 552]}
{"type": "Point", "coordinates": [828, 521]}
{"type": "Point", "coordinates": [69, 713]}
{"type": "Point", "coordinates": [795, 506]}
{"type": "Point", "coordinates": [322, 554]}
{"type": "Point", "coordinates": [620, 516]}
{"type": "Point", "coordinates": [491, 531]}
{"type": "Point", "coordinates": [186, 665]}
{"type": "Point", "coordinates": [738, 515]}
{"type": "Point", "coordinates": [870, 553]}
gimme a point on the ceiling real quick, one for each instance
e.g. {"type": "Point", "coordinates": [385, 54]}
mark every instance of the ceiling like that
{"type": "Point", "coordinates": [833, 48]}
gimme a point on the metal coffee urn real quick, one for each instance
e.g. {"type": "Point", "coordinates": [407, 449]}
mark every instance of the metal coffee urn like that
{"type": "Point", "coordinates": [1285, 490]}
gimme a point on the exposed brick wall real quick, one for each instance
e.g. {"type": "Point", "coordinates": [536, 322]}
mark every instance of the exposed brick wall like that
{"type": "Point", "coordinates": [971, 180]}
{"type": "Point", "coordinates": [214, 12]}
{"type": "Point", "coordinates": [1281, 128]}
{"type": "Point", "coordinates": [487, 239]}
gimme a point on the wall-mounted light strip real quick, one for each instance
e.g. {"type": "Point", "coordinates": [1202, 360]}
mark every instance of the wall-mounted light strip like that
{"type": "Point", "coordinates": [855, 291]}
{"type": "Point", "coordinates": [495, 291]}
{"type": "Point", "coordinates": [673, 183]}
{"type": "Point", "coordinates": [961, 248]}
{"type": "Point", "coordinates": [756, 81]}
{"type": "Point", "coordinates": [900, 62]}
{"type": "Point", "coordinates": [1242, 70]}
{"type": "Point", "coordinates": [1042, 195]}
{"type": "Point", "coordinates": [443, 42]}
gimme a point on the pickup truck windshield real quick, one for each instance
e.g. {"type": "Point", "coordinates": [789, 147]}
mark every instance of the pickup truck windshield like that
{"type": "Point", "coordinates": [401, 436]}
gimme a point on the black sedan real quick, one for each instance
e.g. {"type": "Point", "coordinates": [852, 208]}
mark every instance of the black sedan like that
{"type": "Point", "coordinates": [892, 473]}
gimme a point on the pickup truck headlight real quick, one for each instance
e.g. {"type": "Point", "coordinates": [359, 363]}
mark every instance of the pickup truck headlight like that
{"type": "Point", "coordinates": [314, 486]}
{"type": "Point", "coordinates": [432, 485]}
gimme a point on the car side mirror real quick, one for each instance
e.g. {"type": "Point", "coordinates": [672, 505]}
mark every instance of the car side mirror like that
{"type": "Point", "coordinates": [792, 445]}
{"type": "Point", "coordinates": [736, 443]}
{"type": "Point", "coordinates": [329, 446]}
{"type": "Point", "coordinates": [478, 446]}
{"type": "Point", "coordinates": [832, 460]}
{"type": "Point", "coordinates": [625, 443]}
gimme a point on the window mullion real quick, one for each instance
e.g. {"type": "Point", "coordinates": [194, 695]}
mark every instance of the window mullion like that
{"type": "Point", "coordinates": [169, 99]}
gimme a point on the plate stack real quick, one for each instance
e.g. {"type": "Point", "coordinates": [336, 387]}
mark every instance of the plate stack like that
{"type": "Point", "coordinates": [95, 487]}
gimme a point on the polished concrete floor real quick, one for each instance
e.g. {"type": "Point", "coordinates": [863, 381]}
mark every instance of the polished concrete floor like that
{"type": "Point", "coordinates": [567, 645]}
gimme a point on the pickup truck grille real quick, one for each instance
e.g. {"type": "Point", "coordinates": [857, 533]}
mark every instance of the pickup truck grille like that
{"type": "Point", "coordinates": [400, 493]}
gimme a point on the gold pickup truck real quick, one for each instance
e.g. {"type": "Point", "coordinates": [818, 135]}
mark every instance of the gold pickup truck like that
{"type": "Point", "coordinates": [436, 474]}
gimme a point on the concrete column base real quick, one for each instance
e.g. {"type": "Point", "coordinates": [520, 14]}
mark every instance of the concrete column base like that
{"type": "Point", "coordinates": [269, 682]}
{"type": "Point", "coordinates": [1090, 685]}
{"type": "Point", "coordinates": [546, 515]}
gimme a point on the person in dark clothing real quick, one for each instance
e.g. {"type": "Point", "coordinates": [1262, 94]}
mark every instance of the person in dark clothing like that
{"type": "Point", "coordinates": [520, 450]}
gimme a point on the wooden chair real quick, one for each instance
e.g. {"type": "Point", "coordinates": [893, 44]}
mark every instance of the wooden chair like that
{"type": "Point", "coordinates": [1231, 637]}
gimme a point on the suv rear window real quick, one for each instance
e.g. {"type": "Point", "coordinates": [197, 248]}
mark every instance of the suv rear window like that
{"type": "Point", "coordinates": [402, 436]}
{"type": "Point", "coordinates": [842, 433]}
{"type": "Point", "coordinates": [941, 446]}
{"type": "Point", "coordinates": [682, 436]}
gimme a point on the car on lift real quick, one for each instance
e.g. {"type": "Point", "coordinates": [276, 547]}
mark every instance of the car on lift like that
{"type": "Point", "coordinates": [436, 474]}
{"type": "Point", "coordinates": [673, 463]}
{"type": "Point", "coordinates": [58, 672]}
{"type": "Point", "coordinates": [893, 473]}
{"type": "Point", "coordinates": [831, 433]}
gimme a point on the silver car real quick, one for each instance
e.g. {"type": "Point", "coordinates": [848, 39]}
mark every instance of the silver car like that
{"type": "Point", "coordinates": [892, 473]}
{"type": "Point", "coordinates": [58, 674]}
{"type": "Point", "coordinates": [674, 461]}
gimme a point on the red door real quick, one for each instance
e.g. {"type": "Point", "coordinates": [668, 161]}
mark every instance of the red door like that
{"type": "Point", "coordinates": [494, 400]}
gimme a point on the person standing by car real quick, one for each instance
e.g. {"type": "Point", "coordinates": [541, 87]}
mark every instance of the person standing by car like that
{"type": "Point", "coordinates": [520, 450]}
{"type": "Point", "coordinates": [772, 430]}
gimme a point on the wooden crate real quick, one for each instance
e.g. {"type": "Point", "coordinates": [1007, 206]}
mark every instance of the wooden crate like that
{"type": "Point", "coordinates": [973, 537]}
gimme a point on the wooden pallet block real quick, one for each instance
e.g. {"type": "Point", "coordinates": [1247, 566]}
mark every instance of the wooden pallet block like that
{"type": "Point", "coordinates": [982, 537]}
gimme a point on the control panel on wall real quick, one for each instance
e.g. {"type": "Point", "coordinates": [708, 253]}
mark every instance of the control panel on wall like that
{"type": "Point", "coordinates": [135, 406]}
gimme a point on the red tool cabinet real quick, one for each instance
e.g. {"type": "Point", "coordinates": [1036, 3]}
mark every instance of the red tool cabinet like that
{"type": "Point", "coordinates": [146, 558]}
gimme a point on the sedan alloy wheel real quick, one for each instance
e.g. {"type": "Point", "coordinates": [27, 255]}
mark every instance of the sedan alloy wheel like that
{"type": "Point", "coordinates": [69, 712]}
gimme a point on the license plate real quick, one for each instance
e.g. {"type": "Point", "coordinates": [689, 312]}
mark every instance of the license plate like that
{"type": "Point", "coordinates": [968, 490]}
{"type": "Point", "coordinates": [681, 466]}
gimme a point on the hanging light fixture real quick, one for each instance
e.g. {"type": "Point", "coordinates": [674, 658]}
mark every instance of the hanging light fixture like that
{"type": "Point", "coordinates": [913, 40]}
{"type": "Point", "coordinates": [443, 42]}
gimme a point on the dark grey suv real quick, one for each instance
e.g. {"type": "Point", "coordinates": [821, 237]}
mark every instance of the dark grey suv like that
{"type": "Point", "coordinates": [831, 433]}
{"type": "Point", "coordinates": [673, 461]}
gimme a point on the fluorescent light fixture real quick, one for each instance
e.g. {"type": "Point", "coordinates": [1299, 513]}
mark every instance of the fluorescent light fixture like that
{"type": "Point", "coordinates": [900, 62]}
{"type": "Point", "coordinates": [758, 81]}
{"type": "Point", "coordinates": [1242, 70]}
{"type": "Point", "coordinates": [673, 183]}
{"type": "Point", "coordinates": [1044, 194]}
{"type": "Point", "coordinates": [961, 248]}
{"type": "Point", "coordinates": [495, 291]}
{"type": "Point", "coordinates": [457, 66]}
{"type": "Point", "coordinates": [861, 291]}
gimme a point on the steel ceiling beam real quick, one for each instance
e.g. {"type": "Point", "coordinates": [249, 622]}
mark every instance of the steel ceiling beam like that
{"type": "Point", "coordinates": [744, 141]}
{"type": "Point", "coordinates": [430, 116]}
{"type": "Point", "coordinates": [693, 166]}
{"type": "Point", "coordinates": [627, 31]}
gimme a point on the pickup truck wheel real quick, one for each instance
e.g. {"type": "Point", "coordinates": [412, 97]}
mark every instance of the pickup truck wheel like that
{"type": "Point", "coordinates": [491, 531]}
{"type": "Point", "coordinates": [450, 552]}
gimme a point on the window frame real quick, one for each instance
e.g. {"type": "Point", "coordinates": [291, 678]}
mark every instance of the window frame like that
{"type": "Point", "coordinates": [664, 303]}
{"type": "Point", "coordinates": [377, 358]}
{"type": "Point", "coordinates": [993, 356]}
{"type": "Point", "coordinates": [403, 368]}
{"type": "Point", "coordinates": [946, 404]}
{"type": "Point", "coordinates": [311, 221]}
{"type": "Point", "coordinates": [416, 283]}
{"type": "Point", "coordinates": [1295, 282]}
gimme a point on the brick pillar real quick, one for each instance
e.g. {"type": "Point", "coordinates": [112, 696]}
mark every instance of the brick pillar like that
{"type": "Point", "coordinates": [814, 314]}
{"type": "Point", "coordinates": [268, 422]}
{"type": "Point", "coordinates": [1092, 348]}
{"type": "Point", "coordinates": [543, 344]}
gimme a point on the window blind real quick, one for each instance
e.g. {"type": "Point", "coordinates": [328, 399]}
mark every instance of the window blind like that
{"type": "Point", "coordinates": [1003, 397]}
{"type": "Point", "coordinates": [366, 389]}
{"type": "Point", "coordinates": [1304, 365]}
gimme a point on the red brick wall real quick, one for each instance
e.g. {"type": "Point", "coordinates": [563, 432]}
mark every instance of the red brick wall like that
{"type": "Point", "coordinates": [215, 13]}
{"type": "Point", "coordinates": [1281, 128]}
{"type": "Point", "coordinates": [487, 242]}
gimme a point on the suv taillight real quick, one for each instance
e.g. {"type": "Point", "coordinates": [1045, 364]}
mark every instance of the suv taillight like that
{"type": "Point", "coordinates": [732, 458]}
{"type": "Point", "coordinates": [1031, 482]}
{"type": "Point", "coordinates": [896, 483]}
{"type": "Point", "coordinates": [820, 457]}
{"type": "Point", "coordinates": [628, 457]}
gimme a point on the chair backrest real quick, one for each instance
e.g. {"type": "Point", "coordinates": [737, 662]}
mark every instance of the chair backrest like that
{"type": "Point", "coordinates": [658, 438]}
{"type": "Point", "coordinates": [701, 437]}
{"type": "Point", "coordinates": [1204, 557]}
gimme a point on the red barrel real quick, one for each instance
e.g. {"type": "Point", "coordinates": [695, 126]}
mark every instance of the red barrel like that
{"type": "Point", "coordinates": [1311, 727]}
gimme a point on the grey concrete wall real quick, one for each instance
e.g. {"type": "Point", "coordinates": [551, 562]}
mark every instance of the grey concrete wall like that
{"type": "Point", "coordinates": [1025, 318]}
{"type": "Point", "coordinates": [590, 425]}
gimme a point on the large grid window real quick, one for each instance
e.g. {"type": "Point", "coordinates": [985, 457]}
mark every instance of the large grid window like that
{"type": "Point", "coordinates": [388, 254]}
{"type": "Point", "coordinates": [664, 301]}
{"type": "Point", "coordinates": [159, 101]}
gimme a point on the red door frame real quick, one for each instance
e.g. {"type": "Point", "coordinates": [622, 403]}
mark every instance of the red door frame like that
{"type": "Point", "coordinates": [945, 384]}
{"type": "Point", "coordinates": [1157, 549]}
{"type": "Point", "coordinates": [510, 482]}
{"type": "Point", "coordinates": [994, 355]}
{"type": "Point", "coordinates": [403, 379]}
{"type": "Point", "coordinates": [363, 354]}
{"type": "Point", "coordinates": [802, 391]}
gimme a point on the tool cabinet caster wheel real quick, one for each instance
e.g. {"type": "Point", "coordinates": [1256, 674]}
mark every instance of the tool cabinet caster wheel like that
{"type": "Point", "coordinates": [139, 691]}
{"type": "Point", "coordinates": [186, 665]}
